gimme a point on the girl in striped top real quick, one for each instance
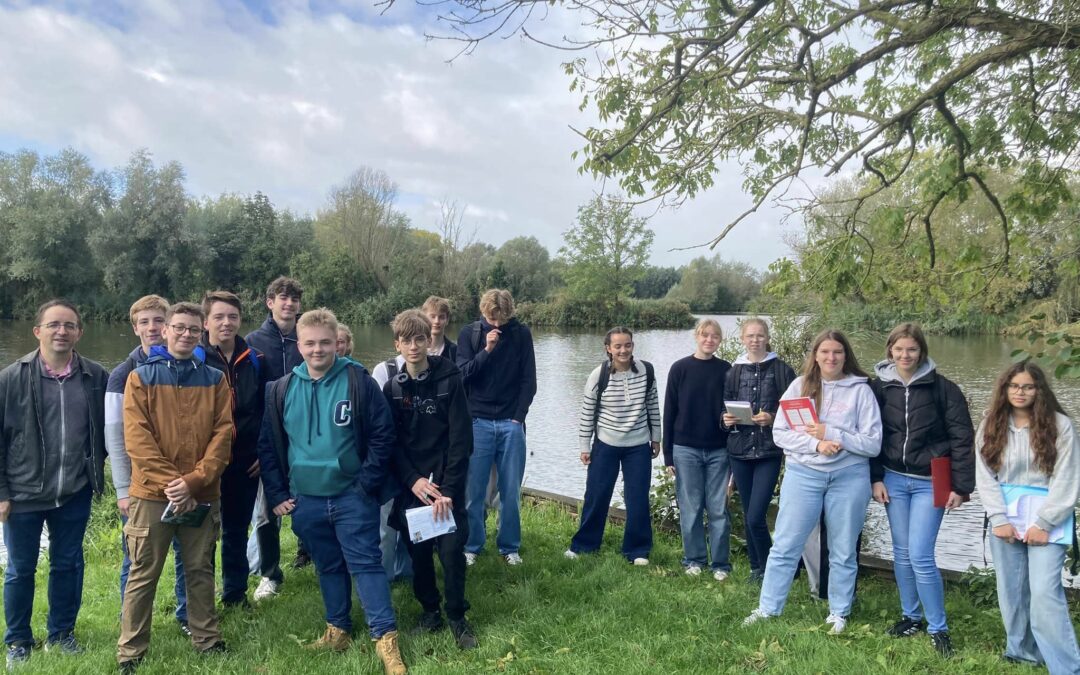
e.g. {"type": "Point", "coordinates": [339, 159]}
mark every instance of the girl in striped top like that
{"type": "Point", "coordinates": [620, 425]}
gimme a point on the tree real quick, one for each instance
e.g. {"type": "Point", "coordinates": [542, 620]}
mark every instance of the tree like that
{"type": "Point", "coordinates": [526, 267]}
{"type": "Point", "coordinates": [716, 285]}
{"type": "Point", "coordinates": [607, 251]}
{"type": "Point", "coordinates": [656, 282]}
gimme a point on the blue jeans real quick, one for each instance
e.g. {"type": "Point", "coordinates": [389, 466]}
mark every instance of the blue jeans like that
{"type": "Point", "coordinates": [502, 443]}
{"type": "Point", "coordinates": [1033, 607]}
{"type": "Point", "coordinates": [179, 588]}
{"type": "Point", "coordinates": [756, 480]}
{"type": "Point", "coordinates": [914, 523]}
{"type": "Point", "coordinates": [600, 484]}
{"type": "Point", "coordinates": [701, 480]}
{"type": "Point", "coordinates": [844, 494]}
{"type": "Point", "coordinates": [22, 537]}
{"type": "Point", "coordinates": [342, 535]}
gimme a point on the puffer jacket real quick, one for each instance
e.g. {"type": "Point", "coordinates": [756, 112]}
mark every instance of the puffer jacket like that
{"type": "Point", "coordinates": [762, 384]}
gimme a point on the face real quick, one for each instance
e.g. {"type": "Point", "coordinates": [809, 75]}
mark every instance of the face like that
{"type": "Point", "coordinates": [905, 353]}
{"type": "Point", "coordinates": [414, 348]}
{"type": "Point", "coordinates": [222, 322]}
{"type": "Point", "coordinates": [708, 341]}
{"type": "Point", "coordinates": [496, 322]}
{"type": "Point", "coordinates": [621, 349]}
{"type": "Point", "coordinates": [344, 344]}
{"type": "Point", "coordinates": [149, 324]}
{"type": "Point", "coordinates": [438, 322]}
{"type": "Point", "coordinates": [318, 346]}
{"type": "Point", "coordinates": [754, 337]}
{"type": "Point", "coordinates": [182, 333]}
{"type": "Point", "coordinates": [1021, 390]}
{"type": "Point", "coordinates": [59, 330]}
{"type": "Point", "coordinates": [283, 307]}
{"type": "Point", "coordinates": [830, 359]}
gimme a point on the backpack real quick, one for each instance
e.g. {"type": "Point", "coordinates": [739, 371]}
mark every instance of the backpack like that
{"type": "Point", "coordinates": [397, 381]}
{"type": "Point", "coordinates": [605, 377]}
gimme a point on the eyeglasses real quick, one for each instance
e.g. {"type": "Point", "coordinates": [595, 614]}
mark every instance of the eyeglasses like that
{"type": "Point", "coordinates": [414, 340]}
{"type": "Point", "coordinates": [180, 329]}
{"type": "Point", "coordinates": [1026, 388]}
{"type": "Point", "coordinates": [57, 325]}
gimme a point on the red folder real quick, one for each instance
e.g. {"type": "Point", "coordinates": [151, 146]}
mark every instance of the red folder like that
{"type": "Point", "coordinates": [799, 413]}
{"type": "Point", "coordinates": [941, 480]}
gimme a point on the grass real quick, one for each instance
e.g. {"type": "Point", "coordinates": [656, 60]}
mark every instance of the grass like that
{"type": "Point", "coordinates": [597, 614]}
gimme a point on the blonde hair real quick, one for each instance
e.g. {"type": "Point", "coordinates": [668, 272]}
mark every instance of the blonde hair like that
{"type": "Point", "coordinates": [342, 328]}
{"type": "Point", "coordinates": [318, 318]}
{"type": "Point", "coordinates": [757, 320]}
{"type": "Point", "coordinates": [498, 304]}
{"type": "Point", "coordinates": [148, 303]}
{"type": "Point", "coordinates": [705, 324]}
{"type": "Point", "coordinates": [410, 323]}
{"type": "Point", "coordinates": [436, 305]}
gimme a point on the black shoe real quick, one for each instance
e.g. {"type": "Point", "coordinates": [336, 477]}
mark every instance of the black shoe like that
{"type": "Point", "coordinates": [216, 648]}
{"type": "Point", "coordinates": [184, 628]}
{"type": "Point", "coordinates": [907, 627]}
{"type": "Point", "coordinates": [756, 577]}
{"type": "Point", "coordinates": [463, 634]}
{"type": "Point", "coordinates": [129, 667]}
{"type": "Point", "coordinates": [18, 653]}
{"type": "Point", "coordinates": [242, 604]}
{"type": "Point", "coordinates": [302, 560]}
{"type": "Point", "coordinates": [66, 644]}
{"type": "Point", "coordinates": [942, 644]}
{"type": "Point", "coordinates": [430, 622]}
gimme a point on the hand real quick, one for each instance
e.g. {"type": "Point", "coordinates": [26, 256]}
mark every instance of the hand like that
{"type": "Point", "coordinates": [285, 508]}
{"type": "Point", "coordinates": [671, 471]}
{"type": "Point", "coordinates": [764, 419]}
{"type": "Point", "coordinates": [5, 510]}
{"type": "Point", "coordinates": [177, 491]}
{"type": "Point", "coordinates": [880, 494]}
{"type": "Point", "coordinates": [515, 422]}
{"type": "Point", "coordinates": [122, 504]}
{"type": "Point", "coordinates": [731, 486]}
{"type": "Point", "coordinates": [828, 447]}
{"type": "Point", "coordinates": [426, 491]}
{"type": "Point", "coordinates": [440, 508]}
{"type": "Point", "coordinates": [184, 506]}
{"type": "Point", "coordinates": [954, 501]}
{"type": "Point", "coordinates": [730, 420]}
{"type": "Point", "coordinates": [253, 470]}
{"type": "Point", "coordinates": [492, 339]}
{"type": "Point", "coordinates": [586, 458]}
{"type": "Point", "coordinates": [816, 430]}
{"type": "Point", "coordinates": [1006, 532]}
{"type": "Point", "coordinates": [1036, 536]}
{"type": "Point", "coordinates": [655, 449]}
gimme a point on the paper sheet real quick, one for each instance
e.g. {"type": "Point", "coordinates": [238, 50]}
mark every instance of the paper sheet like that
{"type": "Point", "coordinates": [423, 526]}
{"type": "Point", "coordinates": [1022, 504]}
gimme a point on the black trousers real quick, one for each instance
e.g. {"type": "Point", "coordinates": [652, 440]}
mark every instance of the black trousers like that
{"type": "Point", "coordinates": [451, 551]}
{"type": "Point", "coordinates": [238, 492]}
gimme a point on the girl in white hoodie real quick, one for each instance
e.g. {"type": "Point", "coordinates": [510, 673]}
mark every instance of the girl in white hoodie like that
{"type": "Point", "coordinates": [827, 467]}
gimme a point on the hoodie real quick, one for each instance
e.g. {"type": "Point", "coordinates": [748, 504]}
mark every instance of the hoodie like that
{"type": "Point", "coordinates": [114, 421]}
{"type": "Point", "coordinates": [281, 351]}
{"type": "Point", "coordinates": [500, 384]}
{"type": "Point", "coordinates": [851, 417]}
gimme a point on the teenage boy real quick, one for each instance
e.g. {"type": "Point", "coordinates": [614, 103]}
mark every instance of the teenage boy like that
{"type": "Point", "coordinates": [245, 371]}
{"type": "Point", "coordinates": [437, 310]}
{"type": "Point", "coordinates": [496, 359]}
{"type": "Point", "coordinates": [434, 432]}
{"type": "Point", "coordinates": [178, 432]}
{"type": "Point", "coordinates": [325, 452]}
{"type": "Point", "coordinates": [52, 457]}
{"type": "Point", "coordinates": [276, 339]}
{"type": "Point", "coordinates": [147, 317]}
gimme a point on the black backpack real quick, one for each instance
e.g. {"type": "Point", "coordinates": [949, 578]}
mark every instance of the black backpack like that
{"type": "Point", "coordinates": [605, 377]}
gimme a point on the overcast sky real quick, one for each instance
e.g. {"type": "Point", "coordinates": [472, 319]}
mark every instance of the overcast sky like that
{"type": "Point", "coordinates": [289, 97]}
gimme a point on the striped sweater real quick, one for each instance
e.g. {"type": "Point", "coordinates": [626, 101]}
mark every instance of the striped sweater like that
{"type": "Point", "coordinates": [629, 415]}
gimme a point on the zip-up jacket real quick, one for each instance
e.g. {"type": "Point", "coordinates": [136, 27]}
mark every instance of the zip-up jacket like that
{"type": "Point", "coordinates": [114, 420]}
{"type": "Point", "coordinates": [26, 472]}
{"type": "Point", "coordinates": [851, 417]}
{"type": "Point", "coordinates": [247, 382]}
{"type": "Point", "coordinates": [761, 384]}
{"type": "Point", "coordinates": [926, 418]}
{"type": "Point", "coordinates": [280, 351]}
{"type": "Point", "coordinates": [500, 384]}
{"type": "Point", "coordinates": [177, 424]}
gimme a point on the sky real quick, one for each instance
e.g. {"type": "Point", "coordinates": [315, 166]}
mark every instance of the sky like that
{"type": "Point", "coordinates": [290, 97]}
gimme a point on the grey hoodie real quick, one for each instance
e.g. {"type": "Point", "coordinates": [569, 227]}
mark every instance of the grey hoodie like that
{"type": "Point", "coordinates": [851, 417]}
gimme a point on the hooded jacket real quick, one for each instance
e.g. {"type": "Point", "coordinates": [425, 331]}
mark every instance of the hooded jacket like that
{"type": "Point", "coordinates": [281, 352]}
{"type": "Point", "coordinates": [761, 384]}
{"type": "Point", "coordinates": [114, 420]}
{"type": "Point", "coordinates": [926, 418]}
{"type": "Point", "coordinates": [247, 384]}
{"type": "Point", "coordinates": [177, 424]}
{"type": "Point", "coordinates": [501, 383]}
{"type": "Point", "coordinates": [851, 417]}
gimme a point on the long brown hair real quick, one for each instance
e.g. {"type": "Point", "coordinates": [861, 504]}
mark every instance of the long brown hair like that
{"type": "Point", "coordinates": [1043, 427]}
{"type": "Point", "coordinates": [811, 372]}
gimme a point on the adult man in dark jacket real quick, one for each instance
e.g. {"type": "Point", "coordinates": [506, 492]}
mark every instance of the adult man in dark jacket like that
{"type": "Point", "coordinates": [52, 458]}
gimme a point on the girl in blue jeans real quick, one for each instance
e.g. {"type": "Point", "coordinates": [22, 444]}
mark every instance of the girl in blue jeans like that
{"type": "Point", "coordinates": [924, 416]}
{"type": "Point", "coordinates": [624, 418]}
{"type": "Point", "coordinates": [827, 468]}
{"type": "Point", "coordinates": [1026, 440]}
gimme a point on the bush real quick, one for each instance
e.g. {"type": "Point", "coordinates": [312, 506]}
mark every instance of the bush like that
{"type": "Point", "coordinates": [639, 314]}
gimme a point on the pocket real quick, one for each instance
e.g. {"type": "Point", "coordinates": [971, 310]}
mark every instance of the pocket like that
{"type": "Point", "coordinates": [136, 538]}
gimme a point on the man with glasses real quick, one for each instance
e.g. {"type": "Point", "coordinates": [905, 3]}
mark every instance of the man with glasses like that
{"type": "Point", "coordinates": [52, 458]}
{"type": "Point", "coordinates": [147, 316]}
{"type": "Point", "coordinates": [178, 430]}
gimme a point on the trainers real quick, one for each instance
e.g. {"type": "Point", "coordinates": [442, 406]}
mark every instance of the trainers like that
{"type": "Point", "coordinates": [430, 622]}
{"type": "Point", "coordinates": [569, 555]}
{"type": "Point", "coordinates": [65, 644]}
{"type": "Point", "coordinates": [463, 634]}
{"type": "Point", "coordinates": [720, 575]}
{"type": "Point", "coordinates": [390, 654]}
{"type": "Point", "coordinates": [906, 627]}
{"type": "Point", "coordinates": [942, 643]}
{"type": "Point", "coordinates": [470, 559]}
{"type": "Point", "coordinates": [756, 577]}
{"type": "Point", "coordinates": [18, 654]}
{"type": "Point", "coordinates": [185, 629]}
{"type": "Point", "coordinates": [129, 667]}
{"type": "Point", "coordinates": [334, 639]}
{"type": "Point", "coordinates": [513, 559]}
{"type": "Point", "coordinates": [267, 588]}
{"type": "Point", "coordinates": [838, 623]}
{"type": "Point", "coordinates": [756, 616]}
{"type": "Point", "coordinates": [693, 570]}
{"type": "Point", "coordinates": [218, 647]}
{"type": "Point", "coordinates": [302, 560]}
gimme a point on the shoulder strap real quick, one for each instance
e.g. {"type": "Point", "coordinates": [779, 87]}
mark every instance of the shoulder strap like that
{"type": "Point", "coordinates": [477, 334]}
{"type": "Point", "coordinates": [601, 385]}
{"type": "Point", "coordinates": [650, 380]}
{"type": "Point", "coordinates": [391, 368]}
{"type": "Point", "coordinates": [734, 382]}
{"type": "Point", "coordinates": [255, 363]}
{"type": "Point", "coordinates": [357, 385]}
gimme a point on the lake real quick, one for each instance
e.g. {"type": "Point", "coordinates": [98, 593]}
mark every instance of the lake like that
{"type": "Point", "coordinates": [564, 359]}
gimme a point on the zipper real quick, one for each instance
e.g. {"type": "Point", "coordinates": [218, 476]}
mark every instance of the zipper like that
{"type": "Point", "coordinates": [63, 439]}
{"type": "Point", "coordinates": [907, 428]}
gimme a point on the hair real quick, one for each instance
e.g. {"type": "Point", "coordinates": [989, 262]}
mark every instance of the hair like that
{"type": "Point", "coordinates": [190, 308]}
{"type": "Point", "coordinates": [410, 323]}
{"type": "Point", "coordinates": [911, 330]}
{"type": "Point", "coordinates": [436, 305]}
{"type": "Point", "coordinates": [342, 328]}
{"type": "Point", "coordinates": [757, 320]}
{"type": "Point", "coordinates": [497, 303]}
{"type": "Point", "coordinates": [210, 297]}
{"type": "Point", "coordinates": [57, 302]}
{"type": "Point", "coordinates": [811, 372]}
{"type": "Point", "coordinates": [287, 285]}
{"type": "Point", "coordinates": [318, 318]}
{"type": "Point", "coordinates": [617, 330]}
{"type": "Point", "coordinates": [1044, 429]}
{"type": "Point", "coordinates": [148, 303]}
{"type": "Point", "coordinates": [704, 324]}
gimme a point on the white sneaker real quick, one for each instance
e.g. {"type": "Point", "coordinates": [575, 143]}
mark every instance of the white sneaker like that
{"type": "Point", "coordinates": [838, 623]}
{"type": "Point", "coordinates": [755, 616]}
{"type": "Point", "coordinates": [470, 559]}
{"type": "Point", "coordinates": [693, 570]}
{"type": "Point", "coordinates": [267, 588]}
{"type": "Point", "coordinates": [569, 555]}
{"type": "Point", "coordinates": [513, 559]}
{"type": "Point", "coordinates": [720, 575]}
{"type": "Point", "coordinates": [641, 562]}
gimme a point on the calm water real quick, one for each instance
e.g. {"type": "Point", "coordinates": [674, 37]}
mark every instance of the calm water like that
{"type": "Point", "coordinates": [565, 358]}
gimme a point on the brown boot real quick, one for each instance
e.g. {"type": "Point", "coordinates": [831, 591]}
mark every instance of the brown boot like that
{"type": "Point", "coordinates": [387, 649]}
{"type": "Point", "coordinates": [333, 639]}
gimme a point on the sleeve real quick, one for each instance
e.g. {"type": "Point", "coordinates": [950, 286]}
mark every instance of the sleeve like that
{"type": "Point", "coordinates": [219, 451]}
{"type": "Point", "coordinates": [795, 442]}
{"type": "Point", "coordinates": [114, 435]}
{"type": "Point", "coordinates": [139, 441]}
{"type": "Point", "coordinates": [652, 400]}
{"type": "Point", "coordinates": [986, 482]}
{"type": "Point", "coordinates": [456, 473]}
{"type": "Point", "coordinates": [5, 490]}
{"type": "Point", "coordinates": [468, 362]}
{"type": "Point", "coordinates": [877, 467]}
{"type": "Point", "coordinates": [381, 438]}
{"type": "Point", "coordinates": [728, 392]}
{"type": "Point", "coordinates": [402, 466]}
{"type": "Point", "coordinates": [1065, 481]}
{"type": "Point", "coordinates": [588, 412]}
{"type": "Point", "coordinates": [671, 413]}
{"type": "Point", "coordinates": [527, 389]}
{"type": "Point", "coordinates": [961, 439]}
{"type": "Point", "coordinates": [865, 439]}
{"type": "Point", "coordinates": [270, 470]}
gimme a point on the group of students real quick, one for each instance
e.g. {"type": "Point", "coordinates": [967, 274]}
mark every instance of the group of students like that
{"type": "Point", "coordinates": [873, 438]}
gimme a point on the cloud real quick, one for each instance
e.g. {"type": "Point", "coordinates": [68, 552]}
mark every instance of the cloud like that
{"type": "Point", "coordinates": [290, 97]}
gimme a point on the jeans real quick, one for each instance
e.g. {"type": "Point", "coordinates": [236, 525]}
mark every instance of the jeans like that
{"type": "Point", "coordinates": [914, 523]}
{"type": "Point", "coordinates": [342, 535]}
{"type": "Point", "coordinates": [451, 550]}
{"type": "Point", "coordinates": [396, 559]}
{"type": "Point", "coordinates": [600, 484]}
{"type": "Point", "coordinates": [238, 492]}
{"type": "Point", "coordinates": [500, 443]}
{"type": "Point", "coordinates": [844, 494]}
{"type": "Point", "coordinates": [1033, 607]}
{"type": "Point", "coordinates": [756, 481]}
{"type": "Point", "coordinates": [701, 480]}
{"type": "Point", "coordinates": [22, 537]}
{"type": "Point", "coordinates": [179, 586]}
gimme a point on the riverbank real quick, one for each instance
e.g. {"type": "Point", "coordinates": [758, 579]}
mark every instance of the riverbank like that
{"type": "Point", "coordinates": [638, 314]}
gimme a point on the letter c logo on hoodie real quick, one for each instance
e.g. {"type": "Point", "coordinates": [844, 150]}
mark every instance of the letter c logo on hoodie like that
{"type": "Point", "coordinates": [343, 413]}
